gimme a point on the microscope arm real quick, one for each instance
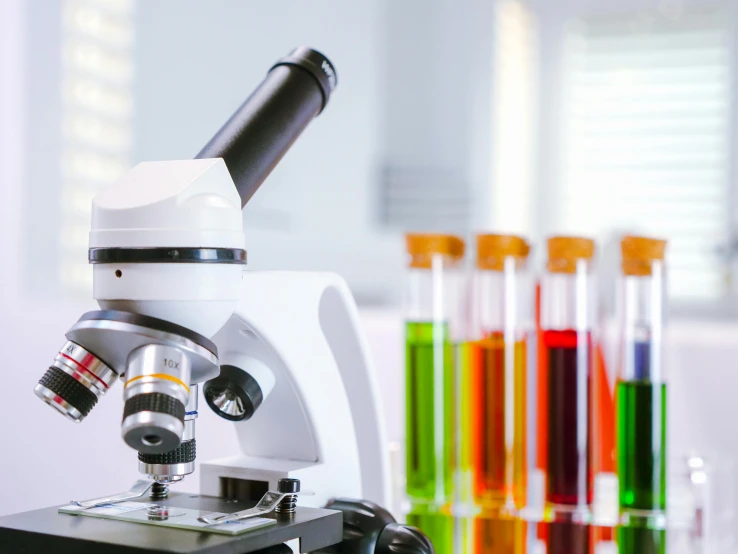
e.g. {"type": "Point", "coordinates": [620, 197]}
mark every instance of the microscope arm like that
{"type": "Point", "coordinates": [321, 422]}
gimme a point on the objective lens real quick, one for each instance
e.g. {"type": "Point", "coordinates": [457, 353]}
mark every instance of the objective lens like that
{"type": "Point", "coordinates": [75, 381]}
{"type": "Point", "coordinates": [174, 465]}
{"type": "Point", "coordinates": [157, 388]}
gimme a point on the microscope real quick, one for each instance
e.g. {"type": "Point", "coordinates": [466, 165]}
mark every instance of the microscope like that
{"type": "Point", "coordinates": [278, 354]}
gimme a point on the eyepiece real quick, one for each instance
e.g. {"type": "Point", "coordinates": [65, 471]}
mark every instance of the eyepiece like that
{"type": "Point", "coordinates": [258, 134]}
{"type": "Point", "coordinates": [157, 388]}
{"type": "Point", "coordinates": [75, 381]}
{"type": "Point", "coordinates": [317, 65]}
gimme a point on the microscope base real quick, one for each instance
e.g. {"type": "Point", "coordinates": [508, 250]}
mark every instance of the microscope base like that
{"type": "Point", "coordinates": [46, 530]}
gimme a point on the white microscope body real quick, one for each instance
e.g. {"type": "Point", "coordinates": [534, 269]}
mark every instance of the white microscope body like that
{"type": "Point", "coordinates": [178, 310]}
{"type": "Point", "coordinates": [297, 334]}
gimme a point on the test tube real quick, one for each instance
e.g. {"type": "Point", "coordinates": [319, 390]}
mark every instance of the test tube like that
{"type": "Point", "coordinates": [434, 305]}
{"type": "Point", "coordinates": [641, 398]}
{"type": "Point", "coordinates": [567, 289]}
{"type": "Point", "coordinates": [497, 392]}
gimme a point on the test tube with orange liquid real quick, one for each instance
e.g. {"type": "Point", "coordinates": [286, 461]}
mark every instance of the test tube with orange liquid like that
{"type": "Point", "coordinates": [501, 308]}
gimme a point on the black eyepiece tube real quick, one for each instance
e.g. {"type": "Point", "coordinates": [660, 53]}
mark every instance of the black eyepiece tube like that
{"type": "Point", "coordinates": [255, 138]}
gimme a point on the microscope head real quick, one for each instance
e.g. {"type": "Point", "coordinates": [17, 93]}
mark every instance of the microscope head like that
{"type": "Point", "coordinates": [167, 241]}
{"type": "Point", "coordinates": [167, 248]}
{"type": "Point", "coordinates": [168, 252]}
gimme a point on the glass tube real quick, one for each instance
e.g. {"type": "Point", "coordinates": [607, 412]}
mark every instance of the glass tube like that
{"type": "Point", "coordinates": [641, 397]}
{"type": "Point", "coordinates": [434, 318]}
{"type": "Point", "coordinates": [497, 393]}
{"type": "Point", "coordinates": [567, 315]}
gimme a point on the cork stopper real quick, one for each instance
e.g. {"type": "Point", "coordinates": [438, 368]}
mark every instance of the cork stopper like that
{"type": "Point", "coordinates": [423, 246]}
{"type": "Point", "coordinates": [639, 254]}
{"type": "Point", "coordinates": [493, 249]}
{"type": "Point", "coordinates": [564, 252]}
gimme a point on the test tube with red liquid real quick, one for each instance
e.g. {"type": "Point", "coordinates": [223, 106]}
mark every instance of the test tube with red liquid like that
{"type": "Point", "coordinates": [567, 316]}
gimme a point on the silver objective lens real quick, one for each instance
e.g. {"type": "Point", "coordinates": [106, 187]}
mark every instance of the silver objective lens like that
{"type": "Point", "coordinates": [172, 466]}
{"type": "Point", "coordinates": [157, 389]}
{"type": "Point", "coordinates": [75, 381]}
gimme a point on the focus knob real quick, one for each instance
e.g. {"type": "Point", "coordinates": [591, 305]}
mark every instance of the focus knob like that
{"type": "Point", "coordinates": [234, 395]}
{"type": "Point", "coordinates": [403, 539]}
{"type": "Point", "coordinates": [370, 529]}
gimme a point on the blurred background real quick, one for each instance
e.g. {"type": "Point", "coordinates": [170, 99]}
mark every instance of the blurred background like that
{"type": "Point", "coordinates": [594, 117]}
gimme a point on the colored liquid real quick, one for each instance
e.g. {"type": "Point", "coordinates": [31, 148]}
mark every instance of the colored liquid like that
{"type": "Point", "coordinates": [641, 451]}
{"type": "Point", "coordinates": [499, 461]}
{"type": "Point", "coordinates": [465, 360]}
{"type": "Point", "coordinates": [500, 535]}
{"type": "Point", "coordinates": [570, 538]}
{"type": "Point", "coordinates": [429, 412]}
{"type": "Point", "coordinates": [569, 418]}
{"type": "Point", "coordinates": [641, 540]}
{"type": "Point", "coordinates": [439, 528]}
{"type": "Point", "coordinates": [642, 360]}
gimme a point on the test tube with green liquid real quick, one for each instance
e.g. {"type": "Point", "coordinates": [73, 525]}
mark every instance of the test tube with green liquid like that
{"type": "Point", "coordinates": [641, 398]}
{"type": "Point", "coordinates": [434, 315]}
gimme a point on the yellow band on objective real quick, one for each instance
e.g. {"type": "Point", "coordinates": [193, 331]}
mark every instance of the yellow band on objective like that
{"type": "Point", "coordinates": [158, 376]}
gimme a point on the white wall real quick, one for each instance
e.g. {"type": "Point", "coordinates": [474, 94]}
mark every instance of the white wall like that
{"type": "Point", "coordinates": [438, 92]}
{"type": "Point", "coordinates": [11, 143]}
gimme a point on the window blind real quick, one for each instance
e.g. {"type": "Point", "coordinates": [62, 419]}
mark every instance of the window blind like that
{"type": "Point", "coordinates": [646, 139]}
{"type": "Point", "coordinates": [97, 120]}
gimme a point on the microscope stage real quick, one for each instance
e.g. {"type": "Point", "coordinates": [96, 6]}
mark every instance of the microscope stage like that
{"type": "Point", "coordinates": [47, 530]}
